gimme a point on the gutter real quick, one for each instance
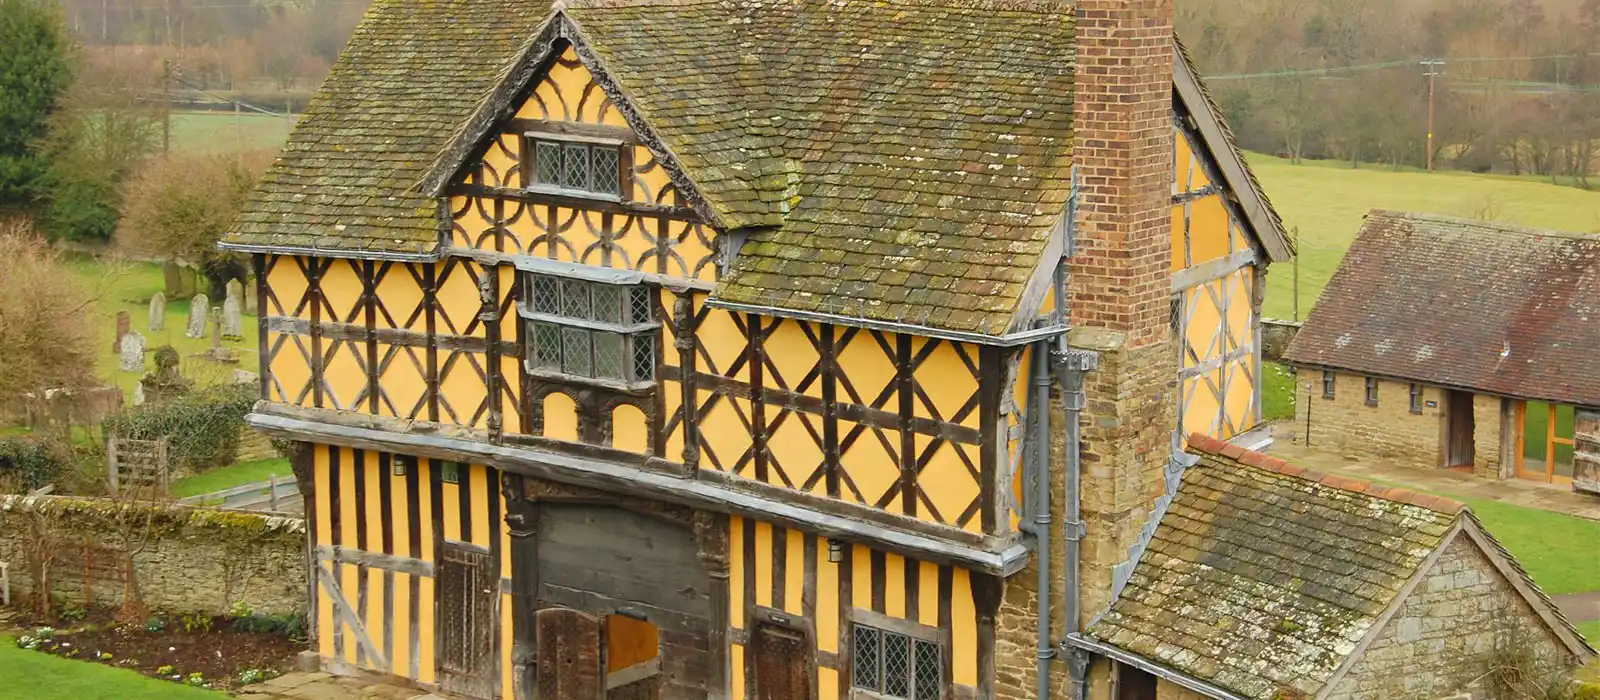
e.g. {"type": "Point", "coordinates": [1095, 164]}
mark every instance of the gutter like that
{"type": "Point", "coordinates": [328, 253]}
{"type": "Point", "coordinates": [1006, 341]}
{"type": "Point", "coordinates": [1085, 644]}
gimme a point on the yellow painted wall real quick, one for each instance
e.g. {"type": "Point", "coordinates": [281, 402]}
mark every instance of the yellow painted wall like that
{"type": "Point", "coordinates": [569, 93]}
{"type": "Point", "coordinates": [1219, 317]}
{"type": "Point", "coordinates": [756, 563]}
{"type": "Point", "coordinates": [351, 483]}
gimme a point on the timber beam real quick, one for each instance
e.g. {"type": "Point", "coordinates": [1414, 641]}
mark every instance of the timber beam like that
{"type": "Point", "coordinates": [702, 490]}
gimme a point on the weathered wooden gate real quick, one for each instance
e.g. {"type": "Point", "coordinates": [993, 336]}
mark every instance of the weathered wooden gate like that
{"type": "Point", "coordinates": [569, 655]}
{"type": "Point", "coordinates": [783, 664]}
{"type": "Point", "coordinates": [140, 466]}
{"type": "Point", "coordinates": [1586, 461]}
{"type": "Point", "coordinates": [469, 597]}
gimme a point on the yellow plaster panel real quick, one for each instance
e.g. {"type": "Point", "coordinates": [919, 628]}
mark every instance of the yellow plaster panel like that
{"type": "Point", "coordinates": [399, 513]}
{"type": "Point", "coordinates": [288, 284]}
{"type": "Point", "coordinates": [1241, 397]}
{"type": "Point", "coordinates": [560, 417]}
{"type": "Point", "coordinates": [725, 343]}
{"type": "Point", "coordinates": [1210, 230]}
{"type": "Point", "coordinates": [794, 571]}
{"type": "Point", "coordinates": [347, 499]}
{"type": "Point", "coordinates": [324, 535]}
{"type": "Point", "coordinates": [342, 288]}
{"type": "Point", "coordinates": [290, 369]}
{"type": "Point", "coordinates": [793, 356]}
{"type": "Point", "coordinates": [459, 302]}
{"type": "Point", "coordinates": [425, 511]}
{"type": "Point", "coordinates": [474, 225]}
{"type": "Point", "coordinates": [401, 660]}
{"type": "Point", "coordinates": [894, 588]}
{"type": "Point", "coordinates": [724, 434]}
{"type": "Point", "coordinates": [1200, 409]}
{"type": "Point", "coordinates": [511, 404]}
{"type": "Point", "coordinates": [927, 594]}
{"type": "Point", "coordinates": [865, 368]}
{"type": "Point", "coordinates": [827, 599]}
{"type": "Point", "coordinates": [400, 295]}
{"type": "Point", "coordinates": [947, 381]}
{"type": "Point", "coordinates": [404, 381]}
{"type": "Point", "coordinates": [462, 389]}
{"type": "Point", "coordinates": [349, 582]}
{"type": "Point", "coordinates": [1180, 242]}
{"type": "Point", "coordinates": [450, 510]}
{"type": "Point", "coordinates": [480, 490]}
{"type": "Point", "coordinates": [1239, 308]}
{"type": "Point", "coordinates": [1202, 321]}
{"type": "Point", "coordinates": [736, 668]}
{"type": "Point", "coordinates": [373, 505]}
{"type": "Point", "coordinates": [869, 465]}
{"type": "Point", "coordinates": [1181, 163]}
{"type": "Point", "coordinates": [861, 572]}
{"type": "Point", "coordinates": [963, 630]}
{"type": "Point", "coordinates": [794, 450]}
{"type": "Point", "coordinates": [630, 430]}
{"type": "Point", "coordinates": [1240, 241]}
{"type": "Point", "coordinates": [672, 398]}
{"type": "Point", "coordinates": [827, 683]}
{"type": "Point", "coordinates": [345, 375]}
{"type": "Point", "coordinates": [736, 572]}
{"type": "Point", "coordinates": [947, 482]}
{"type": "Point", "coordinates": [376, 620]}
{"type": "Point", "coordinates": [763, 564]}
{"type": "Point", "coordinates": [425, 627]}
{"type": "Point", "coordinates": [652, 184]}
{"type": "Point", "coordinates": [502, 165]}
{"type": "Point", "coordinates": [507, 676]}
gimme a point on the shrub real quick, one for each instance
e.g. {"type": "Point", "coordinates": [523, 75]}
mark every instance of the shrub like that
{"type": "Point", "coordinates": [31, 462]}
{"type": "Point", "coordinates": [286, 625]}
{"type": "Point", "coordinates": [204, 427]}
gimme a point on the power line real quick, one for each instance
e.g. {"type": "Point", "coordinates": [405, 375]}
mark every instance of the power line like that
{"type": "Point", "coordinates": [242, 105]}
{"type": "Point", "coordinates": [1332, 70]}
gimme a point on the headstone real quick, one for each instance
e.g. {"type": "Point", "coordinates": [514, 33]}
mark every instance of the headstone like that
{"type": "Point", "coordinates": [124, 324]}
{"type": "Point", "coordinates": [158, 312]}
{"type": "Point", "coordinates": [250, 296]}
{"type": "Point", "coordinates": [236, 290]}
{"type": "Point", "coordinates": [232, 319]}
{"type": "Point", "coordinates": [199, 308]}
{"type": "Point", "coordinates": [138, 394]}
{"type": "Point", "coordinates": [219, 353]}
{"type": "Point", "coordinates": [165, 382]}
{"type": "Point", "coordinates": [133, 352]}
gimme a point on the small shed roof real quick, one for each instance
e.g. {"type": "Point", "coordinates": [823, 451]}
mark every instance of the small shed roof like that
{"type": "Point", "coordinates": [1467, 304]}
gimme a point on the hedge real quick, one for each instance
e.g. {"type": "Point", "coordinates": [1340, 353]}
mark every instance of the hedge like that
{"type": "Point", "coordinates": [32, 461]}
{"type": "Point", "coordinates": [204, 426]}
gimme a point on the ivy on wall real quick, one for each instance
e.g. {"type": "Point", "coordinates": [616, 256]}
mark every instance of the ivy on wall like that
{"type": "Point", "coordinates": [28, 462]}
{"type": "Point", "coordinates": [203, 427]}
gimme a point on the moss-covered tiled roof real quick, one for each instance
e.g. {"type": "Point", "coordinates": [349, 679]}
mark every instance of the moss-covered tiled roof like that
{"type": "Point", "coordinates": [899, 160]}
{"type": "Point", "coordinates": [1263, 577]}
{"type": "Point", "coordinates": [412, 72]}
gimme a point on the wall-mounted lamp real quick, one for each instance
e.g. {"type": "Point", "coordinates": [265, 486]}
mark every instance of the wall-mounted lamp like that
{"type": "Point", "coordinates": [835, 551]}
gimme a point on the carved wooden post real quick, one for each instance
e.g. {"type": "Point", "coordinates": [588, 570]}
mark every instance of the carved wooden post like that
{"type": "Point", "coordinates": [522, 523]}
{"type": "Point", "coordinates": [683, 319]}
{"type": "Point", "coordinates": [489, 313]}
{"type": "Point", "coordinates": [303, 462]}
{"type": "Point", "coordinates": [711, 536]}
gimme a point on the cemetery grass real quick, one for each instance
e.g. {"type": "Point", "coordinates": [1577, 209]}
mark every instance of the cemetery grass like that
{"type": "Point", "coordinates": [1327, 202]}
{"type": "Point", "coordinates": [231, 476]}
{"type": "Point", "coordinates": [36, 676]}
{"type": "Point", "coordinates": [1591, 630]}
{"type": "Point", "coordinates": [222, 132]}
{"type": "Point", "coordinates": [127, 286]}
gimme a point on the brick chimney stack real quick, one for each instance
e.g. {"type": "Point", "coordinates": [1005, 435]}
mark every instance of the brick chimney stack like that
{"type": "Point", "coordinates": [1120, 282]}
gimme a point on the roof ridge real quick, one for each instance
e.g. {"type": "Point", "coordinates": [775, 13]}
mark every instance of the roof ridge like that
{"type": "Point", "coordinates": [1262, 461]}
{"type": "Point", "coordinates": [1035, 6]}
{"type": "Point", "coordinates": [1498, 226]}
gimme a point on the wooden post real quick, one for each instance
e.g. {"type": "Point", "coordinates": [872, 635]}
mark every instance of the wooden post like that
{"type": "Point", "coordinates": [111, 465]}
{"type": "Point", "coordinates": [272, 491]}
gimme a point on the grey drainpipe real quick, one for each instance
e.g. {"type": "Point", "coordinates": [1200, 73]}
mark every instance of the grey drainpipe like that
{"type": "Point", "coordinates": [1070, 370]}
{"type": "Point", "coordinates": [1040, 456]}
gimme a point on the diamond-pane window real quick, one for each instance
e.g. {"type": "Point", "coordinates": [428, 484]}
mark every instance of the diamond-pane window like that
{"type": "Point", "coordinates": [575, 352]}
{"type": "Point", "coordinates": [607, 304]}
{"type": "Point", "coordinates": [547, 163]}
{"type": "Point", "coordinates": [546, 295]}
{"type": "Point", "coordinates": [546, 346]}
{"type": "Point", "coordinates": [640, 305]}
{"type": "Point", "coordinates": [895, 665]}
{"type": "Point", "coordinates": [606, 169]}
{"type": "Point", "coordinates": [575, 166]}
{"type": "Point", "coordinates": [575, 300]}
{"type": "Point", "coordinates": [608, 356]}
{"type": "Point", "coordinates": [644, 357]}
{"type": "Point", "coordinates": [867, 658]}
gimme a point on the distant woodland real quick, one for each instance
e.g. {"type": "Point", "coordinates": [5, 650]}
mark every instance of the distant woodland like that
{"type": "Point", "coordinates": [1518, 90]}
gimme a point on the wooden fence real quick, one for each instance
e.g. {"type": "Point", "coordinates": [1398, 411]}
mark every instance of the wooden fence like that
{"type": "Point", "coordinates": [139, 465]}
{"type": "Point", "coordinates": [275, 495]}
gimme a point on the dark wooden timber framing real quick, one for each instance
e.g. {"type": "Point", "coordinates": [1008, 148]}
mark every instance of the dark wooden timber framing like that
{"type": "Point", "coordinates": [711, 536]}
{"type": "Point", "coordinates": [685, 328]}
{"type": "Point", "coordinates": [601, 206]}
{"type": "Point", "coordinates": [986, 593]}
{"type": "Point", "coordinates": [755, 333]}
{"type": "Point", "coordinates": [430, 289]}
{"type": "Point", "coordinates": [522, 521]}
{"type": "Point", "coordinates": [905, 389]}
{"type": "Point", "coordinates": [991, 372]}
{"type": "Point", "coordinates": [344, 332]}
{"type": "Point", "coordinates": [313, 269]}
{"type": "Point", "coordinates": [846, 659]}
{"type": "Point", "coordinates": [829, 362]}
{"type": "Point", "coordinates": [489, 315]}
{"type": "Point", "coordinates": [258, 263]}
{"type": "Point", "coordinates": [370, 277]}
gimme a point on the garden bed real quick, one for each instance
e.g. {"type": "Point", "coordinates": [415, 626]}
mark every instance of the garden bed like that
{"type": "Point", "coordinates": [218, 653]}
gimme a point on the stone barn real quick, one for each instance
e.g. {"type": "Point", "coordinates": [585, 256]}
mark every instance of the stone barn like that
{"type": "Point", "coordinates": [1451, 343]}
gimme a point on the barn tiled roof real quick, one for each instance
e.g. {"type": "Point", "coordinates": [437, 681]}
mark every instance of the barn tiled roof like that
{"type": "Point", "coordinates": [894, 160]}
{"type": "Point", "coordinates": [1458, 303]}
{"type": "Point", "coordinates": [412, 71]}
{"type": "Point", "coordinates": [1263, 577]}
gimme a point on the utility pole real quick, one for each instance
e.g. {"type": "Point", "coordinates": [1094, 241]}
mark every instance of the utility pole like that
{"type": "Point", "coordinates": [1298, 252]}
{"type": "Point", "coordinates": [1435, 68]}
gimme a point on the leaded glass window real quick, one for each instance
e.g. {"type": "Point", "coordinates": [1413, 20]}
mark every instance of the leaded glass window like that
{"type": "Point", "coordinates": [591, 329]}
{"type": "Point", "coordinates": [896, 665]}
{"type": "Point", "coordinates": [594, 168]}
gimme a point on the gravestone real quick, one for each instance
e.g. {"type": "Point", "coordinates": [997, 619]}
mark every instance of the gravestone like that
{"type": "Point", "coordinates": [124, 324]}
{"type": "Point", "coordinates": [236, 290]}
{"type": "Point", "coordinates": [165, 382]}
{"type": "Point", "coordinates": [250, 296]}
{"type": "Point", "coordinates": [232, 321]}
{"type": "Point", "coordinates": [158, 312]}
{"type": "Point", "coordinates": [138, 394]}
{"type": "Point", "coordinates": [219, 353]}
{"type": "Point", "coordinates": [133, 352]}
{"type": "Point", "coordinates": [199, 308]}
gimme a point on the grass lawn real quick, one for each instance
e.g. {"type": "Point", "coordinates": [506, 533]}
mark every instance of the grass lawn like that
{"type": "Point", "coordinates": [127, 286]}
{"type": "Point", "coordinates": [1327, 201]}
{"type": "Point", "coordinates": [1591, 630]}
{"type": "Point", "coordinates": [231, 476]}
{"type": "Point", "coordinates": [222, 132]}
{"type": "Point", "coordinates": [37, 676]}
{"type": "Point", "coordinates": [1557, 550]}
{"type": "Point", "coordinates": [1277, 392]}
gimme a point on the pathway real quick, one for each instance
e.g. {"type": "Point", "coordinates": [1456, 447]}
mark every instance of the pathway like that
{"type": "Point", "coordinates": [301, 685]}
{"type": "Point", "coordinates": [1519, 492]}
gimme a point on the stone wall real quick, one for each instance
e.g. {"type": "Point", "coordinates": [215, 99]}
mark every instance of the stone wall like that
{"type": "Point", "coordinates": [254, 446]}
{"type": "Point", "coordinates": [1167, 690]}
{"type": "Point", "coordinates": [1493, 436]}
{"type": "Point", "coordinates": [1276, 336]}
{"type": "Point", "coordinates": [1389, 430]}
{"type": "Point", "coordinates": [193, 561]}
{"type": "Point", "coordinates": [1447, 631]}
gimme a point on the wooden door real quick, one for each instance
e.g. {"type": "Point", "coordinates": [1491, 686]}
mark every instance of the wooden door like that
{"type": "Point", "coordinates": [783, 664]}
{"type": "Point", "coordinates": [1459, 421]}
{"type": "Point", "coordinates": [569, 655]}
{"type": "Point", "coordinates": [1586, 458]}
{"type": "Point", "coordinates": [1546, 445]}
{"type": "Point", "coordinates": [468, 610]}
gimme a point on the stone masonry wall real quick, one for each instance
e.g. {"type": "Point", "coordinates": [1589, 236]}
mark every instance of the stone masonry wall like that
{"type": "Point", "coordinates": [1490, 435]}
{"type": "Point", "coordinates": [1389, 431]}
{"type": "Point", "coordinates": [1447, 631]}
{"type": "Point", "coordinates": [194, 560]}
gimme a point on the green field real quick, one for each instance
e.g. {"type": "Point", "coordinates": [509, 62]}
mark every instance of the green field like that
{"type": "Point", "coordinates": [1326, 202]}
{"type": "Point", "coordinates": [38, 676]}
{"type": "Point", "coordinates": [1556, 550]}
{"type": "Point", "coordinates": [222, 132]}
{"type": "Point", "coordinates": [128, 286]}
{"type": "Point", "coordinates": [231, 476]}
